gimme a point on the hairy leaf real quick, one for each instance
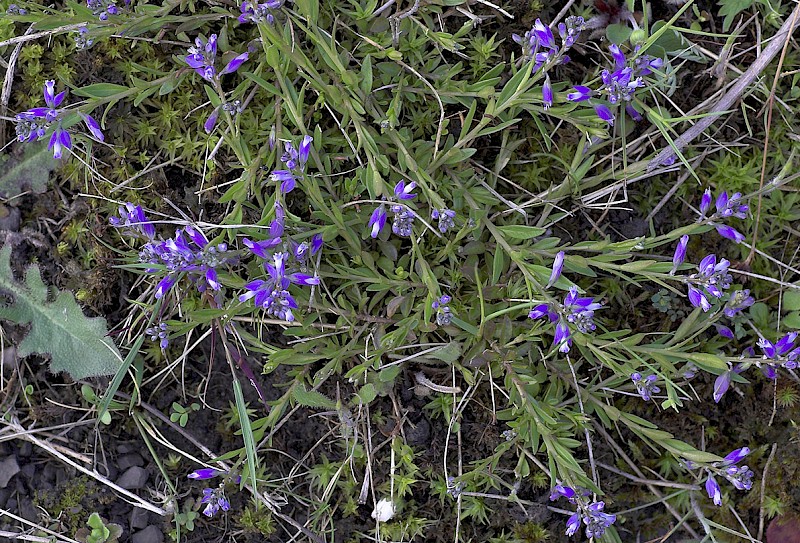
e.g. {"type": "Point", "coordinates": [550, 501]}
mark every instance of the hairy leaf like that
{"type": "Point", "coordinates": [30, 172]}
{"type": "Point", "coordinates": [75, 343]}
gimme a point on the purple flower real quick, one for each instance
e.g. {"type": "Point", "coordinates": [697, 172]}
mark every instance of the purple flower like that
{"type": "Point", "coordinates": [214, 500]}
{"type": "Point", "coordinates": [580, 94]}
{"type": "Point", "coordinates": [235, 63]}
{"type": "Point", "coordinates": [575, 310]}
{"type": "Point", "coordinates": [740, 300]}
{"type": "Point", "coordinates": [783, 353]}
{"type": "Point", "coordinates": [159, 333]}
{"type": "Point", "coordinates": [134, 222]}
{"type": "Point", "coordinates": [713, 490]}
{"type": "Point", "coordinates": [202, 57]}
{"type": "Point", "coordinates": [205, 473]}
{"type": "Point", "coordinates": [561, 491]}
{"type": "Point", "coordinates": [211, 122]}
{"type": "Point", "coordinates": [272, 294]}
{"type": "Point", "coordinates": [645, 386]}
{"type": "Point", "coordinates": [596, 520]}
{"type": "Point", "coordinates": [59, 141]}
{"type": "Point", "coordinates": [705, 203]}
{"type": "Point", "coordinates": [680, 254]}
{"type": "Point", "coordinates": [539, 44]}
{"type": "Point", "coordinates": [102, 8]}
{"type": "Point", "coordinates": [254, 12]}
{"type": "Point", "coordinates": [730, 206]}
{"type": "Point", "coordinates": [712, 277]}
{"type": "Point", "coordinates": [403, 221]}
{"type": "Point", "coordinates": [446, 219]}
{"type": "Point", "coordinates": [736, 456]}
{"type": "Point", "coordinates": [558, 265]}
{"type": "Point", "coordinates": [547, 92]}
{"type": "Point", "coordinates": [730, 233]}
{"type": "Point", "coordinates": [740, 477]}
{"type": "Point", "coordinates": [721, 385]}
{"type": "Point", "coordinates": [618, 85]}
{"type": "Point", "coordinates": [724, 331]}
{"type": "Point", "coordinates": [295, 163]}
{"type": "Point", "coordinates": [93, 127]}
{"type": "Point", "coordinates": [403, 191]}
{"type": "Point", "coordinates": [573, 523]}
{"type": "Point", "coordinates": [443, 313]}
{"type": "Point", "coordinates": [604, 114]}
{"type": "Point", "coordinates": [377, 221]}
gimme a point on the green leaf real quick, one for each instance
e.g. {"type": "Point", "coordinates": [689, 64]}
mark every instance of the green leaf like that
{"type": "Point", "coordinates": [30, 172]}
{"type": "Point", "coordinates": [618, 33]}
{"type": "Point", "coordinates": [247, 435]}
{"type": "Point", "coordinates": [729, 9]}
{"type": "Point", "coordinates": [76, 344]}
{"type": "Point", "coordinates": [791, 300]}
{"type": "Point", "coordinates": [312, 398]}
{"type": "Point", "coordinates": [521, 232]}
{"type": "Point", "coordinates": [100, 90]}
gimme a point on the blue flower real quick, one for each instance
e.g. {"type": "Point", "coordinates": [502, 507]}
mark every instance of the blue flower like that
{"type": "Point", "coordinates": [255, 12]}
{"type": "Point", "coordinates": [710, 280]}
{"type": "Point", "coordinates": [205, 473]}
{"type": "Point", "coordinates": [558, 265]}
{"type": "Point", "coordinates": [215, 499]}
{"type": "Point", "coordinates": [33, 124]}
{"type": "Point", "coordinates": [680, 254]}
{"type": "Point", "coordinates": [134, 222]}
{"type": "Point", "coordinates": [577, 311]}
{"type": "Point", "coordinates": [619, 86]}
{"type": "Point", "coordinates": [377, 221]}
{"type": "Point", "coordinates": [272, 294]}
{"type": "Point", "coordinates": [443, 313]}
{"type": "Point", "coordinates": [646, 386]}
{"type": "Point", "coordinates": [202, 57]}
{"type": "Point", "coordinates": [159, 333]}
{"type": "Point", "coordinates": [446, 219]}
{"type": "Point", "coordinates": [713, 490]}
{"type": "Point", "coordinates": [295, 163]}
{"type": "Point", "coordinates": [403, 191]}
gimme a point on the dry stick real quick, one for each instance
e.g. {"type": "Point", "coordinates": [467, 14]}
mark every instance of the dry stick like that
{"type": "Point", "coordinates": [770, 101]}
{"type": "Point", "coordinates": [638, 472]}
{"type": "Point", "coordinates": [140, 502]}
{"type": "Point", "coordinates": [761, 511]}
{"type": "Point", "coordinates": [732, 95]}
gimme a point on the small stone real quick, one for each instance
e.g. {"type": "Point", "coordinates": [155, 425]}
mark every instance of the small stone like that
{"type": "Point", "coordinates": [139, 518]}
{"type": "Point", "coordinates": [151, 534]}
{"type": "Point", "coordinates": [129, 460]}
{"type": "Point", "coordinates": [27, 510]}
{"type": "Point", "coordinates": [134, 478]}
{"type": "Point", "coordinates": [784, 529]}
{"type": "Point", "coordinates": [8, 468]}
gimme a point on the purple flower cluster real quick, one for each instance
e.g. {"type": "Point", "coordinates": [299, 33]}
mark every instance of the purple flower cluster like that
{"type": "Point", "coordinates": [33, 124]}
{"type": "Point", "coordinates": [202, 57]}
{"type": "Point", "coordinates": [739, 300]}
{"type": "Point", "coordinates": [539, 45]}
{"type": "Point", "coordinates": [645, 386]}
{"type": "Point", "coordinates": [215, 499]}
{"type": "Point", "coordinates": [403, 221]}
{"type": "Point", "coordinates": [783, 353]}
{"type": "Point", "coordinates": [726, 206]}
{"type": "Point", "coordinates": [234, 107]}
{"type": "Point", "coordinates": [159, 333]}
{"type": "Point", "coordinates": [446, 218]}
{"type": "Point", "coordinates": [576, 311]}
{"type": "Point", "coordinates": [102, 8]}
{"type": "Point", "coordinates": [294, 160]}
{"type": "Point", "coordinates": [591, 514]}
{"type": "Point", "coordinates": [711, 280]}
{"type": "Point", "coordinates": [618, 85]}
{"type": "Point", "coordinates": [741, 477]}
{"type": "Point", "coordinates": [272, 294]}
{"type": "Point", "coordinates": [254, 12]}
{"type": "Point", "coordinates": [443, 313]}
{"type": "Point", "coordinates": [194, 257]}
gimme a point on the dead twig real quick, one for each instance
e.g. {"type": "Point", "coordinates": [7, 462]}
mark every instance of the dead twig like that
{"type": "Point", "coordinates": [758, 66]}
